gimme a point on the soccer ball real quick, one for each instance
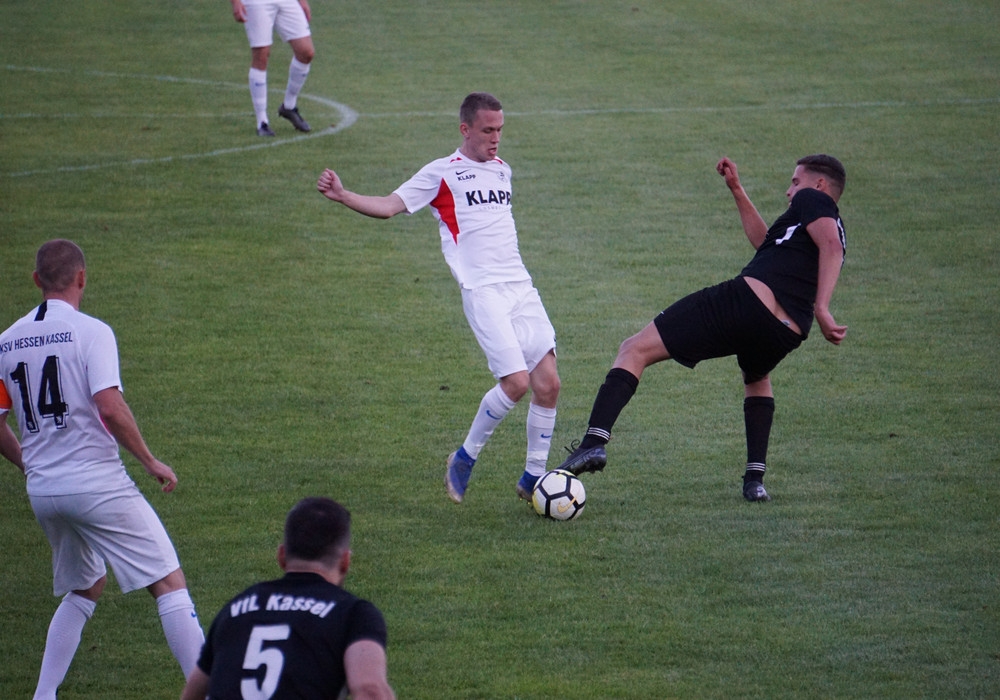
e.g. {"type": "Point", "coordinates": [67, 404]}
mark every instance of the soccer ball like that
{"type": "Point", "coordinates": [559, 495]}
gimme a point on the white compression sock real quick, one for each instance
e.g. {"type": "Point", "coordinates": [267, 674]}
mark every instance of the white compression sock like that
{"type": "Point", "coordinates": [181, 628]}
{"type": "Point", "coordinates": [541, 422]}
{"type": "Point", "coordinates": [258, 93]}
{"type": "Point", "coordinates": [492, 409]}
{"type": "Point", "coordinates": [63, 638]}
{"type": "Point", "coordinates": [297, 73]}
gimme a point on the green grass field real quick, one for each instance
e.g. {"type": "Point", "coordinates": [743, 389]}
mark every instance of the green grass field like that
{"type": "Point", "coordinates": [275, 345]}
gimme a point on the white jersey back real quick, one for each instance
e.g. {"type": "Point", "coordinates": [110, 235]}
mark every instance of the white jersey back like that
{"type": "Point", "coordinates": [52, 362]}
{"type": "Point", "coordinates": [472, 203]}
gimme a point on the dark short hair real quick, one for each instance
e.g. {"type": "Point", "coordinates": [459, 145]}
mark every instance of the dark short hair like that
{"type": "Point", "coordinates": [57, 263]}
{"type": "Point", "coordinates": [828, 166]}
{"type": "Point", "coordinates": [317, 529]}
{"type": "Point", "coordinates": [475, 102]}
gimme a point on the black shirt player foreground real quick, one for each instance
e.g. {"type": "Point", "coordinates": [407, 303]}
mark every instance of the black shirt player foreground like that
{"type": "Point", "coordinates": [759, 316]}
{"type": "Point", "coordinates": [301, 636]}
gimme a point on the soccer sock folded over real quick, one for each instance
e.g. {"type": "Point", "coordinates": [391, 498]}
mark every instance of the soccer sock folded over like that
{"type": "Point", "coordinates": [618, 389]}
{"type": "Point", "coordinates": [541, 422]}
{"type": "Point", "coordinates": [63, 638]}
{"type": "Point", "coordinates": [492, 409]}
{"type": "Point", "coordinates": [181, 628]}
{"type": "Point", "coordinates": [258, 93]}
{"type": "Point", "coordinates": [297, 72]}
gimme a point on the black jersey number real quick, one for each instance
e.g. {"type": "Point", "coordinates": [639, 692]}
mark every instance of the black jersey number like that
{"type": "Point", "coordinates": [258, 655]}
{"type": "Point", "coordinates": [50, 402]}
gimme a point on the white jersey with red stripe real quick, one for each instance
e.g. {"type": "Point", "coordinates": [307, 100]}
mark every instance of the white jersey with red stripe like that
{"type": "Point", "coordinates": [472, 203]}
{"type": "Point", "coordinates": [52, 362]}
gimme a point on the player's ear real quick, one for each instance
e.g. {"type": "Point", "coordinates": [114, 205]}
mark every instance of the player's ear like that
{"type": "Point", "coordinates": [345, 562]}
{"type": "Point", "coordinates": [282, 558]}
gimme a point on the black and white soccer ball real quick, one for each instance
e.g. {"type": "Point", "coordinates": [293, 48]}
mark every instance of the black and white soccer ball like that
{"type": "Point", "coordinates": [559, 495]}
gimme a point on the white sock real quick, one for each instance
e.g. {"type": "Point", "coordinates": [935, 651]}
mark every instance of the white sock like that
{"type": "Point", "coordinates": [63, 638]}
{"type": "Point", "coordinates": [180, 625]}
{"type": "Point", "coordinates": [541, 422]}
{"type": "Point", "coordinates": [297, 73]}
{"type": "Point", "coordinates": [258, 94]}
{"type": "Point", "coordinates": [492, 409]}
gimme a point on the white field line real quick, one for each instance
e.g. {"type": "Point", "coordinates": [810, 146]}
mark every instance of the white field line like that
{"type": "Point", "coordinates": [348, 116]}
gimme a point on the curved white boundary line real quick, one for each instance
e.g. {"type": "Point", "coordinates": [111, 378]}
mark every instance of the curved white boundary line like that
{"type": "Point", "coordinates": [347, 119]}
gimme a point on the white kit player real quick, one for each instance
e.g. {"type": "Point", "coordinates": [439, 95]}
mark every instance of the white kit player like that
{"type": "Point", "coordinates": [469, 193]}
{"type": "Point", "coordinates": [290, 18]}
{"type": "Point", "coordinates": [60, 376]}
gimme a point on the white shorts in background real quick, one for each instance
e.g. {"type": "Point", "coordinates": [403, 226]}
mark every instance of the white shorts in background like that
{"type": "Point", "coordinates": [510, 324]}
{"type": "Point", "coordinates": [119, 527]}
{"type": "Point", "coordinates": [285, 16]}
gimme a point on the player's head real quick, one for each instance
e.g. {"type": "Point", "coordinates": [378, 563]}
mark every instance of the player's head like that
{"type": "Point", "coordinates": [475, 102]}
{"type": "Point", "coordinates": [317, 530]}
{"type": "Point", "coordinates": [827, 167]}
{"type": "Point", "coordinates": [57, 265]}
{"type": "Point", "coordinates": [481, 124]}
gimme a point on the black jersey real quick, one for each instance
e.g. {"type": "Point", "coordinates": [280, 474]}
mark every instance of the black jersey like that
{"type": "Point", "coordinates": [286, 639]}
{"type": "Point", "coordinates": [788, 260]}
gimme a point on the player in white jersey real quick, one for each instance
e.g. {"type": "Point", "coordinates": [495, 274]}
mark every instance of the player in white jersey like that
{"type": "Point", "coordinates": [290, 18]}
{"type": "Point", "coordinates": [469, 193]}
{"type": "Point", "coordinates": [60, 376]}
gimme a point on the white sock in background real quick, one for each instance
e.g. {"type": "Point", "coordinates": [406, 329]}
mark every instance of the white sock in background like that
{"type": "Point", "coordinates": [297, 73]}
{"type": "Point", "coordinates": [258, 94]}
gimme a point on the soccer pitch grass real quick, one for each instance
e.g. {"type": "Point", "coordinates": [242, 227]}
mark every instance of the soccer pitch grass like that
{"type": "Point", "coordinates": [275, 345]}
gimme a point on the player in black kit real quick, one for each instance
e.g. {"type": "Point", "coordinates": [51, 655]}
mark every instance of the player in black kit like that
{"type": "Point", "coordinates": [301, 636]}
{"type": "Point", "coordinates": [759, 316]}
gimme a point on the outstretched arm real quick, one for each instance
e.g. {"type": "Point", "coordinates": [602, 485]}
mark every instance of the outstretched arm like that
{"type": "Point", "coordinates": [118, 418]}
{"type": "Point", "coordinates": [753, 225]}
{"type": "Point", "coordinates": [826, 236]}
{"type": "Point", "coordinates": [330, 186]}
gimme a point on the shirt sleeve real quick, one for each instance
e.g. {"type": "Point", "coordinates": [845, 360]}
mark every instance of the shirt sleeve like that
{"type": "Point", "coordinates": [366, 623]}
{"type": "Point", "coordinates": [421, 189]}
{"type": "Point", "coordinates": [101, 358]}
{"type": "Point", "coordinates": [812, 204]}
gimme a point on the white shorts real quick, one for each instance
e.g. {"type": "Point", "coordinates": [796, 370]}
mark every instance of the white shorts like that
{"type": "Point", "coordinates": [120, 527]}
{"type": "Point", "coordinates": [510, 324]}
{"type": "Point", "coordinates": [285, 16]}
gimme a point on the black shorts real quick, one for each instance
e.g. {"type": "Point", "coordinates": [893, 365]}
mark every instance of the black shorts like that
{"type": "Point", "coordinates": [727, 319]}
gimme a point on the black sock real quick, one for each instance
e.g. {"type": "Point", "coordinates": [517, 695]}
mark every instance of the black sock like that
{"type": "Point", "coordinates": [758, 415]}
{"type": "Point", "coordinates": [618, 389]}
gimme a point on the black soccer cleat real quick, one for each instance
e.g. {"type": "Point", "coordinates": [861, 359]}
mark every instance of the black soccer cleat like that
{"type": "Point", "coordinates": [754, 491]}
{"type": "Point", "coordinates": [264, 130]}
{"type": "Point", "coordinates": [294, 117]}
{"type": "Point", "coordinates": [581, 460]}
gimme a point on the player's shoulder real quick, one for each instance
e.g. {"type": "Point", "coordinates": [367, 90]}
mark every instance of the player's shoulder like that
{"type": "Point", "coordinates": [809, 196]}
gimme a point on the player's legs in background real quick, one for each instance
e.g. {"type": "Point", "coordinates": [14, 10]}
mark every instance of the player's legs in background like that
{"type": "Point", "coordinates": [298, 70]}
{"type": "Point", "coordinates": [258, 85]}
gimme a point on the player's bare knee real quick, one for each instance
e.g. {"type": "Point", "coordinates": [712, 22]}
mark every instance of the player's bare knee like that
{"type": "Point", "coordinates": [515, 386]}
